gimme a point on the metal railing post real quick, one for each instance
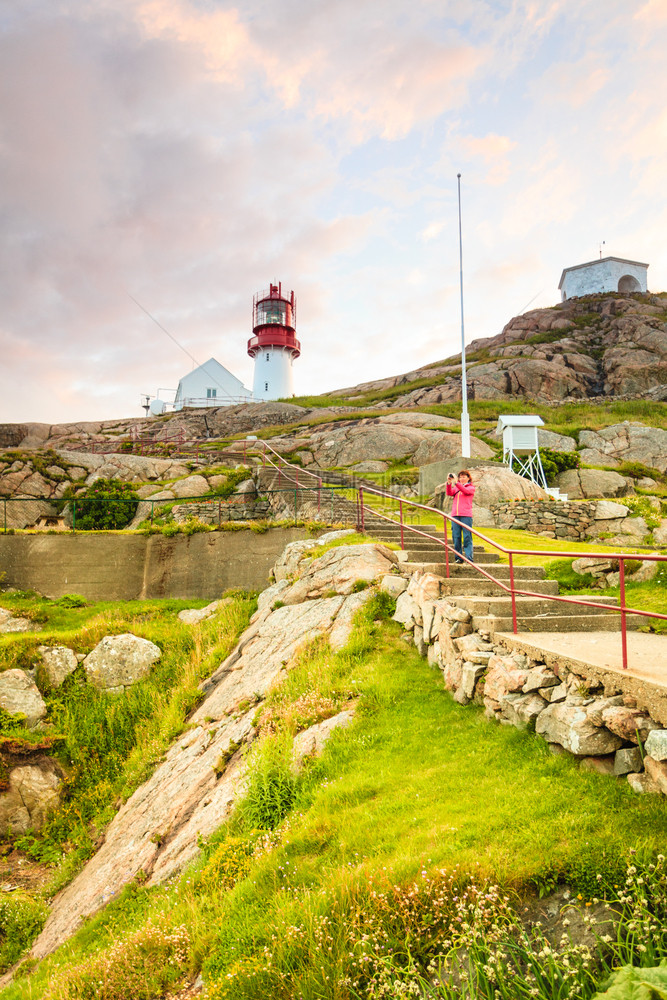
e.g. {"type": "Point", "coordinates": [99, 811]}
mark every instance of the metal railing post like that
{"type": "Point", "coordinates": [264, 462]}
{"type": "Point", "coordinates": [514, 623]}
{"type": "Point", "coordinates": [361, 508]}
{"type": "Point", "coordinates": [400, 509]}
{"type": "Point", "coordinates": [624, 629]}
{"type": "Point", "coordinates": [152, 508]}
{"type": "Point", "coordinates": [444, 528]}
{"type": "Point", "coordinates": [332, 505]}
{"type": "Point", "coordinates": [295, 507]}
{"type": "Point", "coordinates": [319, 495]}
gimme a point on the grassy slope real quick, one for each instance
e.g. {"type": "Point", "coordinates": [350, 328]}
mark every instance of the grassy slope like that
{"type": "Point", "coordinates": [106, 745]}
{"type": "Point", "coordinates": [416, 784]}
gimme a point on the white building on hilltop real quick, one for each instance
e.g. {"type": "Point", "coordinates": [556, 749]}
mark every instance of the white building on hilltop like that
{"type": "Point", "coordinates": [609, 274]}
{"type": "Point", "coordinates": [210, 385]}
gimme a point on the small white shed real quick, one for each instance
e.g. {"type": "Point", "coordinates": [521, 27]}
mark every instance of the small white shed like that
{"type": "Point", "coordinates": [609, 274]}
{"type": "Point", "coordinates": [521, 450]}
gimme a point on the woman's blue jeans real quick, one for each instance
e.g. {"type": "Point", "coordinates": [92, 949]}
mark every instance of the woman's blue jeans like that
{"type": "Point", "coordinates": [457, 532]}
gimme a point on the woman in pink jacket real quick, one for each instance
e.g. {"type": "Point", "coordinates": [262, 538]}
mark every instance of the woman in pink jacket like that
{"type": "Point", "coordinates": [463, 491]}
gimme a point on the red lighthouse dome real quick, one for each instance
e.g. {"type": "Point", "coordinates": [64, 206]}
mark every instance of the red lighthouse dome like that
{"type": "Point", "coordinates": [274, 322]}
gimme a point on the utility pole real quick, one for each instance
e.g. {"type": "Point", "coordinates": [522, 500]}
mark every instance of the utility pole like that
{"type": "Point", "coordinates": [465, 419]}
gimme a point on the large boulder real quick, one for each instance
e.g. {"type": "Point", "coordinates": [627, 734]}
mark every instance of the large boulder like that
{"type": "Point", "coordinates": [191, 486]}
{"type": "Point", "coordinates": [556, 442]}
{"type": "Point", "coordinates": [19, 695]}
{"type": "Point", "coordinates": [58, 663]}
{"type": "Point", "coordinates": [583, 484]}
{"type": "Point", "coordinates": [287, 565]}
{"type": "Point", "coordinates": [495, 484]}
{"type": "Point", "coordinates": [32, 792]}
{"type": "Point", "coordinates": [119, 661]}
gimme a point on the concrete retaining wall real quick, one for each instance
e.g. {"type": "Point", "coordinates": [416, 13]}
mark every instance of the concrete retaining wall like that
{"type": "Point", "coordinates": [129, 567]}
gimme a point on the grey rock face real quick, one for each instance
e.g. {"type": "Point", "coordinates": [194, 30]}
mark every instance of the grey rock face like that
{"type": "Point", "coordinates": [119, 661]}
{"type": "Point", "coordinates": [339, 570]}
{"type": "Point", "coordinates": [570, 726]}
{"type": "Point", "coordinates": [628, 761]}
{"type": "Point", "coordinates": [592, 483]}
{"type": "Point", "coordinates": [522, 710]}
{"type": "Point", "coordinates": [656, 744]}
{"type": "Point", "coordinates": [393, 585]}
{"type": "Point", "coordinates": [59, 662]}
{"type": "Point", "coordinates": [20, 696]}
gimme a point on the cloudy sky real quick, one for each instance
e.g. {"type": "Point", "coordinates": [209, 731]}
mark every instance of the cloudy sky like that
{"type": "Point", "coordinates": [176, 156]}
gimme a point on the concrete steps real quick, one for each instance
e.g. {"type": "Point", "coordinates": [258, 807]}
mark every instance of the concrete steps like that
{"type": "Point", "coordinates": [494, 614]}
{"type": "Point", "coordinates": [479, 586]}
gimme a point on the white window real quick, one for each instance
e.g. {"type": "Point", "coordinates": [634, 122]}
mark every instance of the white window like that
{"type": "Point", "coordinates": [211, 393]}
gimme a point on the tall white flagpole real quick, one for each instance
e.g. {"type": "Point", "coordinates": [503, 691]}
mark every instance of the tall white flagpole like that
{"type": "Point", "coordinates": [465, 418]}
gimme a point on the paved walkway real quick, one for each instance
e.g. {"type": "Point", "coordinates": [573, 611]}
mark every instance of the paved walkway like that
{"type": "Point", "coordinates": [647, 653]}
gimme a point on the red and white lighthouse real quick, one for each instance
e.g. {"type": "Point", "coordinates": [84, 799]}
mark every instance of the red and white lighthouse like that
{"type": "Point", "coordinates": [273, 344]}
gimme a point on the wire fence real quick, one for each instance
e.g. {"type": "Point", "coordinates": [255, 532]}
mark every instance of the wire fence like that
{"type": "Point", "coordinates": [326, 504]}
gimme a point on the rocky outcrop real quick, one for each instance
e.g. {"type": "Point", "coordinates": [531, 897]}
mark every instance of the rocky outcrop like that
{"type": "Point", "coordinates": [196, 786]}
{"type": "Point", "coordinates": [340, 570]}
{"type": "Point", "coordinates": [417, 438]}
{"type": "Point", "coordinates": [585, 483]}
{"type": "Point", "coordinates": [14, 623]}
{"type": "Point", "coordinates": [599, 346]}
{"type": "Point", "coordinates": [118, 661]}
{"type": "Point", "coordinates": [626, 442]}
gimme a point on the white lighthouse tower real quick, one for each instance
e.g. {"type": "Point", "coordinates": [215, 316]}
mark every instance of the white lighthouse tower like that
{"type": "Point", "coordinates": [273, 344]}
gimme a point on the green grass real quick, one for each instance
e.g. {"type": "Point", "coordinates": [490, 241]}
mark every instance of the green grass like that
{"type": "Point", "coordinates": [417, 784]}
{"type": "Point", "coordinates": [107, 745]}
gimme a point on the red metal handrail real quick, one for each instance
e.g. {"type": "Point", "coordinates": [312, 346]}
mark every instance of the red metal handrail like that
{"type": "Point", "coordinates": [515, 592]}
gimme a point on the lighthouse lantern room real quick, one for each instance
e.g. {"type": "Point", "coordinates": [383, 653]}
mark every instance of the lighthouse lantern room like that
{"type": "Point", "coordinates": [273, 344]}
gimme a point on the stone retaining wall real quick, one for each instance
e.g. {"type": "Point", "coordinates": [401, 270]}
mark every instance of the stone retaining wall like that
{"type": "Point", "coordinates": [553, 519]}
{"type": "Point", "coordinates": [218, 511]}
{"type": "Point", "coordinates": [605, 726]}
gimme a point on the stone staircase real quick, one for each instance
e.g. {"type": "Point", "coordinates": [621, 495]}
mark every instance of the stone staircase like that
{"type": "Point", "coordinates": [489, 605]}
{"type": "Point", "coordinates": [487, 602]}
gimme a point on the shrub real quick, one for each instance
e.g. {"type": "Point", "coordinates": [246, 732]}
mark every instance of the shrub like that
{"type": "Point", "coordinates": [106, 504]}
{"type": "Point", "coordinates": [554, 462]}
{"type": "Point", "coordinates": [637, 470]}
{"type": "Point", "coordinates": [72, 601]}
{"type": "Point", "coordinates": [271, 783]}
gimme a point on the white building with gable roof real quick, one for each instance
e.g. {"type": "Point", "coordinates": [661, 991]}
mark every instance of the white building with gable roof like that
{"type": "Point", "coordinates": [210, 385]}
{"type": "Point", "coordinates": [609, 274]}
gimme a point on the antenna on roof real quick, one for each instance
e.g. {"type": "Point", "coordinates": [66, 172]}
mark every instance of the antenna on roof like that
{"type": "Point", "coordinates": [601, 245]}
